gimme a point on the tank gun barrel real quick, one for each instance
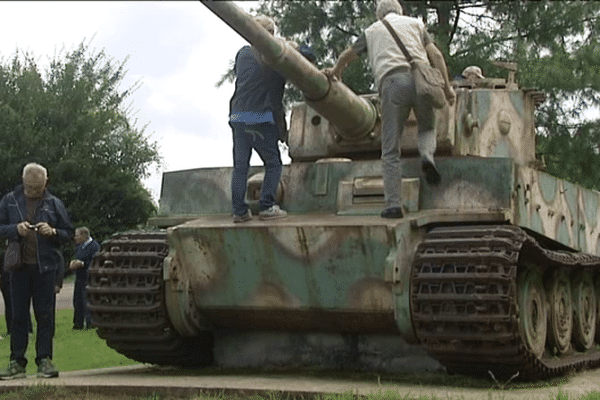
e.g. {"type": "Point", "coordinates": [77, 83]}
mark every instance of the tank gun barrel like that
{"type": "Point", "coordinates": [352, 116]}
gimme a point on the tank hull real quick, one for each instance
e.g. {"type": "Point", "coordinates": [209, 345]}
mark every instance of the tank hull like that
{"type": "Point", "coordinates": [318, 277]}
{"type": "Point", "coordinates": [493, 271]}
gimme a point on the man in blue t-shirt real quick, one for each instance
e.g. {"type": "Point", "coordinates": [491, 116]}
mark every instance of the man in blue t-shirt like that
{"type": "Point", "coordinates": [257, 119]}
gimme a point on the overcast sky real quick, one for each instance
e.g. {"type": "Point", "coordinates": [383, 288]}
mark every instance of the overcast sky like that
{"type": "Point", "coordinates": [177, 51]}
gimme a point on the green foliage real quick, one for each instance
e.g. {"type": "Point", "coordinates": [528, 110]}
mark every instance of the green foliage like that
{"type": "Point", "coordinates": [561, 149]}
{"type": "Point", "coordinates": [328, 27]}
{"type": "Point", "coordinates": [73, 120]}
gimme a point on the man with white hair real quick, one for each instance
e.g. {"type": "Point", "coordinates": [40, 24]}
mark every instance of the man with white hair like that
{"type": "Point", "coordinates": [40, 223]}
{"type": "Point", "coordinates": [396, 86]}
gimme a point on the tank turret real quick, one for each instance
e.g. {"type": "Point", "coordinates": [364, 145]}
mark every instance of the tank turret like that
{"type": "Point", "coordinates": [494, 269]}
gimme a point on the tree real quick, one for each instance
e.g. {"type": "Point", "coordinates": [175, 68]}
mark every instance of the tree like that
{"type": "Point", "coordinates": [72, 120]}
{"type": "Point", "coordinates": [553, 43]}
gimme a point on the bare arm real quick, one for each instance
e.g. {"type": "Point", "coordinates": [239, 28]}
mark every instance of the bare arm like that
{"type": "Point", "coordinates": [436, 58]}
{"type": "Point", "coordinates": [342, 62]}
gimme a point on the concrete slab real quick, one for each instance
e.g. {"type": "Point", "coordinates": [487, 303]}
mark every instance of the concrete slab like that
{"type": "Point", "coordinates": [143, 379]}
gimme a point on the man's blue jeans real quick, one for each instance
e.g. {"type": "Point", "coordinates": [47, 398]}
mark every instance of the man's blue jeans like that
{"type": "Point", "coordinates": [81, 312]}
{"type": "Point", "coordinates": [30, 284]}
{"type": "Point", "coordinates": [262, 138]}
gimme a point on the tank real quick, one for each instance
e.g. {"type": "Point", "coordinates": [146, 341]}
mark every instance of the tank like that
{"type": "Point", "coordinates": [493, 270]}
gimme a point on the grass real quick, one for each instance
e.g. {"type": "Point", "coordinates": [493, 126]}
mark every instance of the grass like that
{"type": "Point", "coordinates": [46, 392]}
{"type": "Point", "coordinates": [73, 350]}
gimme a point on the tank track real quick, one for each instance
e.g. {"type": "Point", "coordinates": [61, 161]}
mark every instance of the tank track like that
{"type": "Point", "coordinates": [464, 301]}
{"type": "Point", "coordinates": [126, 298]}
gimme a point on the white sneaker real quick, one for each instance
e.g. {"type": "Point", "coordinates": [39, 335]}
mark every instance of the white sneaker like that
{"type": "Point", "coordinates": [272, 213]}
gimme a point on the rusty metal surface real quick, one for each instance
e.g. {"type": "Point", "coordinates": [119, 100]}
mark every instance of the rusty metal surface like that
{"type": "Point", "coordinates": [133, 322]}
{"type": "Point", "coordinates": [126, 300]}
{"type": "Point", "coordinates": [465, 307]}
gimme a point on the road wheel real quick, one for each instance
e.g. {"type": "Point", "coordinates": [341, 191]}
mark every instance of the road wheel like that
{"type": "Point", "coordinates": [584, 311]}
{"type": "Point", "coordinates": [532, 310]}
{"type": "Point", "coordinates": [597, 294]}
{"type": "Point", "coordinates": [560, 311]}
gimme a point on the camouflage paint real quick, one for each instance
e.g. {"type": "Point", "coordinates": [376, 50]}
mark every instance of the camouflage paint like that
{"type": "Point", "coordinates": [558, 209]}
{"type": "Point", "coordinates": [588, 218]}
{"type": "Point", "coordinates": [322, 270]}
{"type": "Point", "coordinates": [313, 186]}
{"type": "Point", "coordinates": [314, 137]}
{"type": "Point", "coordinates": [319, 269]}
{"type": "Point", "coordinates": [492, 125]}
{"type": "Point", "coordinates": [327, 264]}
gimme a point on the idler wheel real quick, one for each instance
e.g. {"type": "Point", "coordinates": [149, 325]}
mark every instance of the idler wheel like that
{"type": "Point", "coordinates": [584, 311]}
{"type": "Point", "coordinates": [560, 312]}
{"type": "Point", "coordinates": [532, 310]}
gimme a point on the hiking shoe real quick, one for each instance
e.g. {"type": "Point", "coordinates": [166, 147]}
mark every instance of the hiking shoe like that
{"type": "Point", "coordinates": [46, 369]}
{"type": "Point", "coordinates": [242, 218]}
{"type": "Point", "coordinates": [14, 371]}
{"type": "Point", "coordinates": [272, 213]}
{"type": "Point", "coordinates": [432, 175]}
{"type": "Point", "coordinates": [392, 212]}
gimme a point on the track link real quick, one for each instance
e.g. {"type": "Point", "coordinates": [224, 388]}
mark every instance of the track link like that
{"type": "Point", "coordinates": [464, 301]}
{"type": "Point", "coordinates": [127, 303]}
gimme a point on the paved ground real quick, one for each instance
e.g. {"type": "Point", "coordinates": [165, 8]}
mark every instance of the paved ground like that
{"type": "Point", "coordinates": [64, 299]}
{"type": "Point", "coordinates": [142, 380]}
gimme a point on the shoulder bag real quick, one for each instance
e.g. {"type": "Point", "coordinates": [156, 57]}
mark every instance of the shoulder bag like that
{"type": "Point", "coordinates": [429, 81]}
{"type": "Point", "coordinates": [12, 256]}
{"type": "Point", "coordinates": [12, 253]}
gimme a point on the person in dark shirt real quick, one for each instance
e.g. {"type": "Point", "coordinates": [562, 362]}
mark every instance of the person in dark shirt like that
{"type": "Point", "coordinates": [40, 223]}
{"type": "Point", "coordinates": [257, 121]}
{"type": "Point", "coordinates": [85, 251]}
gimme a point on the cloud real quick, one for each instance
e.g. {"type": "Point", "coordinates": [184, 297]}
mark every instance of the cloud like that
{"type": "Point", "coordinates": [177, 51]}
